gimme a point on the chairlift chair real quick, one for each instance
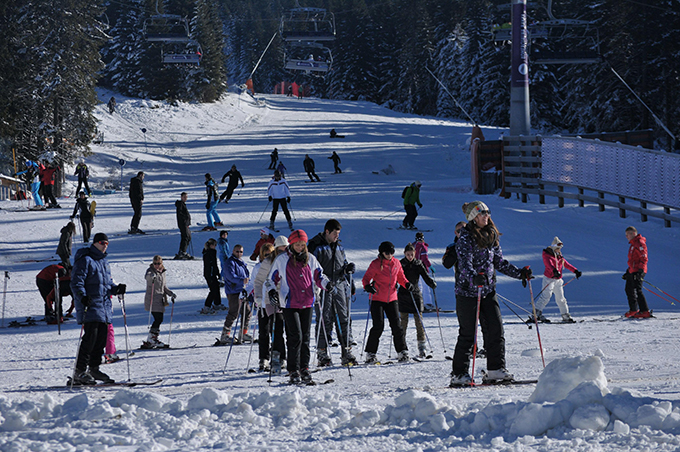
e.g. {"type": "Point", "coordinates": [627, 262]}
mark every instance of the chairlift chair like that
{"type": "Point", "coordinates": [300, 24]}
{"type": "Point", "coordinates": [190, 54]}
{"type": "Point", "coordinates": [166, 28]}
{"type": "Point", "coordinates": [311, 57]}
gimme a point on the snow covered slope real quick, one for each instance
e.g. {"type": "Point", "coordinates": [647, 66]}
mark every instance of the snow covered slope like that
{"type": "Point", "coordinates": [397, 407]}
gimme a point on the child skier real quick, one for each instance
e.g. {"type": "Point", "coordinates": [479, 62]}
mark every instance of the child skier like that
{"type": "Point", "coordinates": [155, 300]}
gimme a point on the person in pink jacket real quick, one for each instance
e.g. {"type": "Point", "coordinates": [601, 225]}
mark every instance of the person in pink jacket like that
{"type": "Point", "coordinates": [555, 263]}
{"type": "Point", "coordinates": [380, 281]}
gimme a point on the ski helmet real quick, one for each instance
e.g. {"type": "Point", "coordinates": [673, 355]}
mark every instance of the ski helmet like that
{"type": "Point", "coordinates": [386, 247]}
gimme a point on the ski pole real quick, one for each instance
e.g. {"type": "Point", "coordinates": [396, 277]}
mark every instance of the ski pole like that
{"type": "Point", "coordinates": [390, 214]}
{"type": "Point", "coordinates": [121, 299]}
{"type": "Point", "coordinates": [4, 297]}
{"type": "Point", "coordinates": [563, 285]}
{"type": "Point", "coordinates": [644, 280]}
{"type": "Point", "coordinates": [224, 369]}
{"type": "Point", "coordinates": [272, 327]}
{"type": "Point", "coordinates": [265, 209]}
{"type": "Point", "coordinates": [153, 286]}
{"type": "Point", "coordinates": [663, 298]}
{"type": "Point", "coordinates": [538, 334]}
{"type": "Point", "coordinates": [422, 323]}
{"type": "Point", "coordinates": [436, 306]}
{"type": "Point", "coordinates": [513, 311]}
{"type": "Point", "coordinates": [57, 304]}
{"type": "Point", "coordinates": [474, 345]}
{"type": "Point", "coordinates": [368, 315]}
{"type": "Point", "coordinates": [290, 204]}
{"type": "Point", "coordinates": [172, 312]}
{"type": "Point", "coordinates": [337, 319]}
{"type": "Point", "coordinates": [250, 353]}
{"type": "Point", "coordinates": [75, 365]}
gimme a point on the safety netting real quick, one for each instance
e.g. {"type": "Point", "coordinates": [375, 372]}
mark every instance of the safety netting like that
{"type": "Point", "coordinates": [627, 171]}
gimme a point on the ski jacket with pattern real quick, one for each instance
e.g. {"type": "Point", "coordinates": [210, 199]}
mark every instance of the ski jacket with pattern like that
{"type": "Point", "coordinates": [81, 171]}
{"type": "Point", "coordinates": [278, 189]}
{"type": "Point", "coordinates": [413, 270]}
{"type": "Point", "coordinates": [211, 190]}
{"type": "Point", "coordinates": [385, 274]}
{"type": "Point", "coordinates": [156, 288]}
{"type": "Point", "coordinates": [472, 260]}
{"type": "Point", "coordinates": [136, 189]}
{"type": "Point", "coordinates": [295, 280]}
{"type": "Point", "coordinates": [235, 273]}
{"type": "Point", "coordinates": [553, 260]}
{"type": "Point", "coordinates": [421, 253]}
{"type": "Point", "coordinates": [210, 268]}
{"type": "Point", "coordinates": [91, 276]}
{"type": "Point", "coordinates": [637, 255]}
{"type": "Point", "coordinates": [183, 215]}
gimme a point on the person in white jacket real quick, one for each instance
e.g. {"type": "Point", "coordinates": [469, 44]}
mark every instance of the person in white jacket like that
{"type": "Point", "coordinates": [155, 300]}
{"type": "Point", "coordinates": [279, 193]}
{"type": "Point", "coordinates": [294, 274]}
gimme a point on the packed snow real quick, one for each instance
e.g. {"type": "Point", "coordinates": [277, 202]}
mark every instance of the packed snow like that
{"type": "Point", "coordinates": [609, 384]}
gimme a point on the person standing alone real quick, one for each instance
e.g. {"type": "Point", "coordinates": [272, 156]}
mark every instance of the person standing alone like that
{"type": "Point", "coordinates": [411, 195]}
{"type": "Point", "coordinates": [309, 168]}
{"type": "Point", "coordinates": [183, 223]}
{"type": "Point", "coordinates": [279, 193]}
{"type": "Point", "coordinates": [234, 176]}
{"type": "Point", "coordinates": [136, 199]}
{"type": "Point", "coordinates": [635, 275]}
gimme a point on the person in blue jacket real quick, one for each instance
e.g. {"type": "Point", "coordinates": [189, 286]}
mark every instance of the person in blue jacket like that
{"type": "Point", "coordinates": [92, 288]}
{"type": "Point", "coordinates": [223, 251]}
{"type": "Point", "coordinates": [236, 276]}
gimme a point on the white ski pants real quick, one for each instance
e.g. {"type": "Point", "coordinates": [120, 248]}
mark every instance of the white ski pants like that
{"type": "Point", "coordinates": [552, 286]}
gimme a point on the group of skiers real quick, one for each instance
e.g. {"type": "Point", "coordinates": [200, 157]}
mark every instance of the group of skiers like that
{"type": "Point", "coordinates": [40, 178]}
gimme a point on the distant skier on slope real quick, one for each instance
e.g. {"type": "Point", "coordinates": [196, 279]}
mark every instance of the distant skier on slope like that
{"type": "Point", "coordinates": [411, 195]}
{"type": "Point", "coordinates": [336, 162]}
{"type": "Point", "coordinates": [211, 214]}
{"type": "Point", "coordinates": [274, 159]}
{"type": "Point", "coordinates": [137, 200]}
{"type": "Point", "coordinates": [83, 205]}
{"type": "Point", "coordinates": [65, 247]}
{"type": "Point", "coordinates": [309, 165]}
{"type": "Point", "coordinates": [183, 223]}
{"type": "Point", "coordinates": [279, 194]}
{"type": "Point", "coordinates": [234, 176]}
{"type": "Point", "coordinates": [83, 173]}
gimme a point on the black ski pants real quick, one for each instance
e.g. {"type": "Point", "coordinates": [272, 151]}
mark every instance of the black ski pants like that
{"type": "Point", "coordinates": [86, 224]}
{"type": "Point", "coordinates": [228, 192]}
{"type": "Point", "coordinates": [298, 329]}
{"type": "Point", "coordinates": [411, 214]}
{"type": "Point", "coordinates": [312, 176]}
{"type": "Point", "coordinates": [137, 216]}
{"type": "Point", "coordinates": [92, 345]}
{"type": "Point", "coordinates": [157, 320]}
{"type": "Point", "coordinates": [83, 182]}
{"type": "Point", "coordinates": [185, 239]}
{"type": "Point", "coordinates": [492, 330]}
{"type": "Point", "coordinates": [45, 286]}
{"type": "Point", "coordinates": [636, 298]}
{"type": "Point", "coordinates": [270, 324]}
{"type": "Point", "coordinates": [380, 310]}
{"type": "Point", "coordinates": [214, 296]}
{"type": "Point", "coordinates": [275, 209]}
{"type": "Point", "coordinates": [49, 195]}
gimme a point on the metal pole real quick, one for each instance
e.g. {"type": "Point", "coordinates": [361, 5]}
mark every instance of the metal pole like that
{"type": "Point", "coordinates": [265, 209]}
{"type": "Point", "coordinates": [520, 118]}
{"type": "Point", "coordinates": [121, 300]}
{"type": "Point", "coordinates": [4, 297]}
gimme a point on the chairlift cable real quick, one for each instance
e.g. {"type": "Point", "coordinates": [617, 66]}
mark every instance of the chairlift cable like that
{"type": "Point", "coordinates": [452, 97]}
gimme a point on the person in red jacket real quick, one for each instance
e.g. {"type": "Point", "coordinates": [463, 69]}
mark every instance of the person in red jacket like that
{"type": "Point", "coordinates": [265, 237]}
{"type": "Point", "coordinates": [45, 282]}
{"type": "Point", "coordinates": [635, 275]}
{"type": "Point", "coordinates": [552, 282]}
{"type": "Point", "coordinates": [380, 281]}
{"type": "Point", "coordinates": [47, 178]}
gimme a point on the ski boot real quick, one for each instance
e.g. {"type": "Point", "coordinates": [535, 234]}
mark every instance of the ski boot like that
{"type": "Point", "coordinates": [461, 380]}
{"type": "Point", "coordinates": [323, 358]}
{"type": "Point", "coordinates": [271, 225]}
{"type": "Point", "coordinates": [497, 376]}
{"type": "Point", "coordinates": [371, 358]}
{"type": "Point", "coordinates": [422, 349]}
{"type": "Point", "coordinates": [244, 337]}
{"type": "Point", "coordinates": [83, 377]}
{"type": "Point", "coordinates": [306, 377]}
{"type": "Point", "coordinates": [402, 357]}
{"type": "Point", "coordinates": [566, 318]}
{"type": "Point", "coordinates": [100, 376]}
{"type": "Point", "coordinates": [294, 378]}
{"type": "Point", "coordinates": [290, 225]}
{"type": "Point", "coordinates": [264, 365]}
{"type": "Point", "coordinates": [348, 359]}
{"type": "Point", "coordinates": [225, 339]}
{"type": "Point", "coordinates": [539, 315]}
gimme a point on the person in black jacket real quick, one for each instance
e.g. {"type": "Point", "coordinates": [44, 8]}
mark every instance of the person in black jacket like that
{"type": "Point", "coordinates": [83, 173]}
{"type": "Point", "coordinates": [211, 273]}
{"type": "Point", "coordinates": [274, 159]}
{"type": "Point", "coordinates": [65, 247]}
{"type": "Point", "coordinates": [83, 205]}
{"type": "Point", "coordinates": [411, 302]}
{"type": "Point", "coordinates": [136, 199]}
{"type": "Point", "coordinates": [309, 168]}
{"type": "Point", "coordinates": [234, 176]}
{"type": "Point", "coordinates": [336, 162]}
{"type": "Point", "coordinates": [183, 223]}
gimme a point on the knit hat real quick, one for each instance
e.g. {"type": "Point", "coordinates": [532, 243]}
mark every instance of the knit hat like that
{"type": "Point", "coordinates": [265, 231]}
{"type": "Point", "coordinates": [100, 237]}
{"type": "Point", "coordinates": [386, 247]}
{"type": "Point", "coordinates": [556, 243]}
{"type": "Point", "coordinates": [297, 235]}
{"type": "Point", "coordinates": [472, 209]}
{"type": "Point", "coordinates": [280, 241]}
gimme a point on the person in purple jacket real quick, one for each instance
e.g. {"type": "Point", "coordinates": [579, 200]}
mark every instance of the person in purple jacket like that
{"type": "Point", "coordinates": [294, 273]}
{"type": "Point", "coordinates": [479, 257]}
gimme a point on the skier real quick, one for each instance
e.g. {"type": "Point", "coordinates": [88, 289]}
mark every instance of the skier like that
{"type": "Point", "coordinates": [552, 282]}
{"type": "Point", "coordinates": [155, 300]}
{"type": "Point", "coordinates": [83, 205]}
{"type": "Point", "coordinates": [308, 164]}
{"type": "Point", "coordinates": [65, 247]}
{"type": "Point", "coordinates": [411, 302]}
{"type": "Point", "coordinates": [136, 199]}
{"type": "Point", "coordinates": [112, 105]}
{"type": "Point", "coordinates": [333, 309]}
{"type": "Point", "coordinates": [336, 162]}
{"type": "Point", "coordinates": [279, 193]}
{"type": "Point", "coordinates": [274, 158]}
{"type": "Point", "coordinates": [31, 176]}
{"type": "Point", "coordinates": [281, 168]}
{"type": "Point", "coordinates": [92, 288]}
{"type": "Point", "coordinates": [334, 134]}
{"type": "Point", "coordinates": [213, 217]}
{"type": "Point", "coordinates": [183, 223]}
{"type": "Point", "coordinates": [380, 281]}
{"type": "Point", "coordinates": [47, 179]}
{"type": "Point", "coordinates": [411, 195]}
{"type": "Point", "coordinates": [83, 173]}
{"type": "Point", "coordinates": [635, 275]}
{"type": "Point", "coordinates": [64, 291]}
{"type": "Point", "coordinates": [211, 273]}
{"type": "Point", "coordinates": [265, 237]}
{"type": "Point", "coordinates": [290, 286]}
{"type": "Point", "coordinates": [236, 276]}
{"type": "Point", "coordinates": [223, 250]}
{"type": "Point", "coordinates": [290, 91]}
{"type": "Point", "coordinates": [270, 318]}
{"type": "Point", "coordinates": [234, 176]}
{"type": "Point", "coordinates": [479, 258]}
{"type": "Point", "coordinates": [45, 282]}
{"type": "Point", "coordinates": [421, 248]}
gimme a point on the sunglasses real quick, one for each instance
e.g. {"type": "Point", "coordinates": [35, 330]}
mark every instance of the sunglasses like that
{"type": "Point", "coordinates": [484, 212]}
{"type": "Point", "coordinates": [238, 251]}
{"type": "Point", "coordinates": [158, 263]}
{"type": "Point", "coordinates": [103, 243]}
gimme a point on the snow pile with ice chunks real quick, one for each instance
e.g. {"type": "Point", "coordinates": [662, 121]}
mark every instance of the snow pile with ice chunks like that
{"type": "Point", "coordinates": [609, 383]}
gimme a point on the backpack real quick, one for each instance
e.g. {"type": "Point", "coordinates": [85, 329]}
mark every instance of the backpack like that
{"type": "Point", "coordinates": [403, 193]}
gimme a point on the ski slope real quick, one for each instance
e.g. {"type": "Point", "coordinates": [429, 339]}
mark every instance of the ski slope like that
{"type": "Point", "coordinates": [610, 384]}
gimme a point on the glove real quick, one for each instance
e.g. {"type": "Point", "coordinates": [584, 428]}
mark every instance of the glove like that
{"type": "Point", "coordinates": [479, 280]}
{"type": "Point", "coordinates": [350, 268]}
{"type": "Point", "coordinates": [244, 293]}
{"type": "Point", "coordinates": [525, 274]}
{"type": "Point", "coordinates": [578, 274]}
{"type": "Point", "coordinates": [288, 200]}
{"type": "Point", "coordinates": [625, 275]}
{"type": "Point", "coordinates": [370, 288]}
{"type": "Point", "coordinates": [411, 287]}
{"type": "Point", "coordinates": [173, 298]}
{"type": "Point", "coordinates": [638, 276]}
{"type": "Point", "coordinates": [207, 205]}
{"type": "Point", "coordinates": [85, 301]}
{"type": "Point", "coordinates": [556, 274]}
{"type": "Point", "coordinates": [270, 199]}
{"type": "Point", "coordinates": [274, 298]}
{"type": "Point", "coordinates": [120, 290]}
{"type": "Point", "coordinates": [420, 205]}
{"type": "Point", "coordinates": [434, 285]}
{"type": "Point", "coordinates": [330, 286]}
